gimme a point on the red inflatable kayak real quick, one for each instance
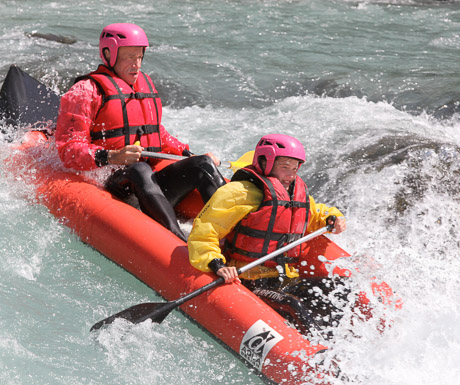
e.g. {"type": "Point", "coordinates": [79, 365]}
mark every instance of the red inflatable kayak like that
{"type": "Point", "coordinates": [231, 313]}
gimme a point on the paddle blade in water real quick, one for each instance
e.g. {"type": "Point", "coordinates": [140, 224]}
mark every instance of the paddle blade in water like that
{"type": "Point", "coordinates": [139, 313]}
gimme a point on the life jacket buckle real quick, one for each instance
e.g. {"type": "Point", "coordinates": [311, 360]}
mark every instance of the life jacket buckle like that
{"type": "Point", "coordinates": [135, 95]}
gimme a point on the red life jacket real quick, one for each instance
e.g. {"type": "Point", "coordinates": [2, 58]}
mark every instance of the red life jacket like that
{"type": "Point", "coordinates": [281, 218]}
{"type": "Point", "coordinates": [128, 113]}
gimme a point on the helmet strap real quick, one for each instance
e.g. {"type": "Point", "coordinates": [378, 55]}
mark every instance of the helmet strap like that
{"type": "Point", "coordinates": [106, 53]}
{"type": "Point", "coordinates": [262, 163]}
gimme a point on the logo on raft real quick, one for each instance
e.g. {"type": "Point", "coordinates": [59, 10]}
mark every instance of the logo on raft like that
{"type": "Point", "coordinates": [257, 342]}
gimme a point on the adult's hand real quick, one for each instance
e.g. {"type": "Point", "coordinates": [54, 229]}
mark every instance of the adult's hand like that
{"type": "Point", "coordinates": [125, 156]}
{"type": "Point", "coordinates": [230, 274]}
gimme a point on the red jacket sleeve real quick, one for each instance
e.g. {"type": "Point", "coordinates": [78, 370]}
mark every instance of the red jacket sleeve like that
{"type": "Point", "coordinates": [77, 111]}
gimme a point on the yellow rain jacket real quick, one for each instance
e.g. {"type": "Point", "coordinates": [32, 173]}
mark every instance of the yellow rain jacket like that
{"type": "Point", "coordinates": [229, 204]}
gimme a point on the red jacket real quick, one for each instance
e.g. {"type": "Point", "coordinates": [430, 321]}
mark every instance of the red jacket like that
{"type": "Point", "coordinates": [91, 117]}
{"type": "Point", "coordinates": [280, 219]}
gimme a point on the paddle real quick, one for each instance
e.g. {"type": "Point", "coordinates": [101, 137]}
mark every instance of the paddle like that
{"type": "Point", "coordinates": [244, 160]}
{"type": "Point", "coordinates": [157, 312]}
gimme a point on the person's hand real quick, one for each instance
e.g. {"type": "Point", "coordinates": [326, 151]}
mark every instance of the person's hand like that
{"type": "Point", "coordinates": [339, 225]}
{"type": "Point", "coordinates": [230, 274]}
{"type": "Point", "coordinates": [125, 156]}
{"type": "Point", "coordinates": [214, 158]}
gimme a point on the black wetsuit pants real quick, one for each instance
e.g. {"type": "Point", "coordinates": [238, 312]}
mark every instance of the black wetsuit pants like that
{"type": "Point", "coordinates": [305, 302]}
{"type": "Point", "coordinates": [158, 192]}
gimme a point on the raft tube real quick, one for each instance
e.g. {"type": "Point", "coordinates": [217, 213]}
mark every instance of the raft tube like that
{"type": "Point", "coordinates": [123, 234]}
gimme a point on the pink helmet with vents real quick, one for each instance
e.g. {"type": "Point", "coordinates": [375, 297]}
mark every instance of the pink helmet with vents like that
{"type": "Point", "coordinates": [119, 35]}
{"type": "Point", "coordinates": [275, 145]}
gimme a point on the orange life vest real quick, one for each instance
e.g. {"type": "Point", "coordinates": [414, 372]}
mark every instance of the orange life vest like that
{"type": "Point", "coordinates": [128, 113]}
{"type": "Point", "coordinates": [281, 218]}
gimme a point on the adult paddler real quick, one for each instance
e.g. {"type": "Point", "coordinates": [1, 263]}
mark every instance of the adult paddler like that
{"type": "Point", "coordinates": [109, 116]}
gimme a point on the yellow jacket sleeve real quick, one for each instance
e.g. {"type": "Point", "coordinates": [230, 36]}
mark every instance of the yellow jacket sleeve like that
{"type": "Point", "coordinates": [318, 215]}
{"type": "Point", "coordinates": [229, 205]}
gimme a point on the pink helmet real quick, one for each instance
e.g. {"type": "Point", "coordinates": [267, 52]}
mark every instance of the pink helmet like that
{"type": "Point", "coordinates": [275, 145]}
{"type": "Point", "coordinates": [119, 35]}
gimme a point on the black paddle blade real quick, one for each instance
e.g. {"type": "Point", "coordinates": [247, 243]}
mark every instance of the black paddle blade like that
{"type": "Point", "coordinates": [157, 312]}
{"type": "Point", "coordinates": [24, 100]}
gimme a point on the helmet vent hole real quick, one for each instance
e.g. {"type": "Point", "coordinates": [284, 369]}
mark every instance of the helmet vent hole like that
{"type": "Point", "coordinates": [121, 36]}
{"type": "Point", "coordinates": [270, 143]}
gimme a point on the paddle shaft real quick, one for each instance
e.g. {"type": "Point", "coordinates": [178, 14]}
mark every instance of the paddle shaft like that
{"type": "Point", "coordinates": [160, 155]}
{"type": "Point", "coordinates": [281, 250]}
{"type": "Point", "coordinates": [249, 266]}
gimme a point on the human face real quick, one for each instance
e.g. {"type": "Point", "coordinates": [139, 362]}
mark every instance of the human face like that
{"type": "Point", "coordinates": [285, 170]}
{"type": "Point", "coordinates": [128, 65]}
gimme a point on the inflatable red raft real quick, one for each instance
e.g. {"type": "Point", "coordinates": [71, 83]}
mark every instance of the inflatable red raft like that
{"type": "Point", "coordinates": [231, 313]}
